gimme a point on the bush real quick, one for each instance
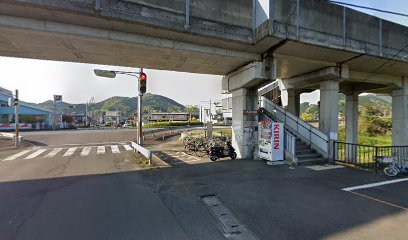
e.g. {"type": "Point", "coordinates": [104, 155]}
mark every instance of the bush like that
{"type": "Point", "coordinates": [171, 124]}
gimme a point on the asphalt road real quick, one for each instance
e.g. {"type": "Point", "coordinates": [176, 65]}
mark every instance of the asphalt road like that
{"type": "Point", "coordinates": [78, 136]}
{"type": "Point", "coordinates": [113, 195]}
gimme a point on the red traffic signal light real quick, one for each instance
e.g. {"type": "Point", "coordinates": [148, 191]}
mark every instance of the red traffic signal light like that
{"type": "Point", "coordinates": [142, 82]}
{"type": "Point", "coordinates": [143, 76]}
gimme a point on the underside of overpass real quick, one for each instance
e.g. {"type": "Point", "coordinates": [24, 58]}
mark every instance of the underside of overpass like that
{"type": "Point", "coordinates": [308, 44]}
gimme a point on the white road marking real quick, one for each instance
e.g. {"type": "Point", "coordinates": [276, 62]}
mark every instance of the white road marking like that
{"type": "Point", "coordinates": [86, 151]}
{"type": "Point", "coordinates": [100, 150]}
{"type": "Point", "coordinates": [374, 184]}
{"type": "Point", "coordinates": [87, 144]}
{"type": "Point", "coordinates": [324, 167]}
{"type": "Point", "coordinates": [53, 152]}
{"type": "Point", "coordinates": [115, 149]}
{"type": "Point", "coordinates": [189, 156]}
{"type": "Point", "coordinates": [13, 157]}
{"type": "Point", "coordinates": [35, 154]}
{"type": "Point", "coordinates": [127, 147]}
{"type": "Point", "coordinates": [70, 152]}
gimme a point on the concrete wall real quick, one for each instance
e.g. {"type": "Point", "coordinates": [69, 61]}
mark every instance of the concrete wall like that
{"type": "Point", "coordinates": [329, 20]}
{"type": "Point", "coordinates": [322, 23]}
{"type": "Point", "coordinates": [394, 35]}
{"type": "Point", "coordinates": [362, 27]}
{"type": "Point", "coordinates": [233, 12]}
{"type": "Point", "coordinates": [176, 6]}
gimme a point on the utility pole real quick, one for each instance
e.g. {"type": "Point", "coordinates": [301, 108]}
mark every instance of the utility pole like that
{"type": "Point", "coordinates": [16, 103]}
{"type": "Point", "coordinates": [54, 118]}
{"type": "Point", "coordinates": [86, 114]}
{"type": "Point", "coordinates": [210, 112]}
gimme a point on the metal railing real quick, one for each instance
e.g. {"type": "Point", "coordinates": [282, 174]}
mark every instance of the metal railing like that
{"type": "Point", "coordinates": [301, 129]}
{"type": "Point", "coordinates": [290, 144]}
{"type": "Point", "coordinates": [368, 157]}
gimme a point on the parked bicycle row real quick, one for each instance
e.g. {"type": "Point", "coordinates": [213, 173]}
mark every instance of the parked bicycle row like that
{"type": "Point", "coordinates": [215, 148]}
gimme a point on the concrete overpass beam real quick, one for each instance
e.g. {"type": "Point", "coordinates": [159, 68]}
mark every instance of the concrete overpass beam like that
{"type": "Point", "coordinates": [352, 118]}
{"type": "Point", "coordinates": [400, 115]}
{"type": "Point", "coordinates": [250, 75]}
{"type": "Point", "coordinates": [329, 110]}
{"type": "Point", "coordinates": [314, 78]}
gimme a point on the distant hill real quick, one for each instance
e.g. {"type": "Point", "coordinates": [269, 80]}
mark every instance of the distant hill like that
{"type": "Point", "coordinates": [151, 103]}
{"type": "Point", "coordinates": [380, 102]}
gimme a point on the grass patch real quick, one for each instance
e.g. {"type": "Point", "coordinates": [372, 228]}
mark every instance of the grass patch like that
{"type": "Point", "coordinates": [216, 133]}
{"type": "Point", "coordinates": [367, 139]}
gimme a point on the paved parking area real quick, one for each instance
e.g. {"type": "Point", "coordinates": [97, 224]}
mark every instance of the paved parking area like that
{"type": "Point", "coordinates": [280, 202]}
{"type": "Point", "coordinates": [71, 194]}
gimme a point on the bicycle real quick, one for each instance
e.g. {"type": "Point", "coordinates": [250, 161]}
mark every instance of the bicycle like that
{"type": "Point", "coordinates": [396, 168]}
{"type": "Point", "coordinates": [204, 148]}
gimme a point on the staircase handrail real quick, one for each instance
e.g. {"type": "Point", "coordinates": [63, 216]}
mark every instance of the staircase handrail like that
{"type": "Point", "coordinates": [306, 132]}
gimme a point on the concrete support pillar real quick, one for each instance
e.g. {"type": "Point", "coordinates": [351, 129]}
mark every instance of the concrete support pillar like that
{"type": "Point", "coordinates": [245, 122]}
{"type": "Point", "coordinates": [291, 101]}
{"type": "Point", "coordinates": [400, 116]}
{"type": "Point", "coordinates": [329, 110]}
{"type": "Point", "coordinates": [352, 118]}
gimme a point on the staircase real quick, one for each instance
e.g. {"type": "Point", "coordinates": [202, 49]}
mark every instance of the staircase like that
{"type": "Point", "coordinates": [307, 155]}
{"type": "Point", "coordinates": [311, 145]}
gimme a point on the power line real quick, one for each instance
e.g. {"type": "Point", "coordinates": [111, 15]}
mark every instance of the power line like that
{"type": "Point", "coordinates": [369, 8]}
{"type": "Point", "coordinates": [377, 71]}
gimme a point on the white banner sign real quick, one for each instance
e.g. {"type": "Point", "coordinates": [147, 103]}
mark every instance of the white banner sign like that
{"type": "Point", "coordinates": [277, 142]}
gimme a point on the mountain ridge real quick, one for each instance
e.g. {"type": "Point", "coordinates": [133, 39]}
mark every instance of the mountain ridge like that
{"type": "Point", "coordinates": [128, 105]}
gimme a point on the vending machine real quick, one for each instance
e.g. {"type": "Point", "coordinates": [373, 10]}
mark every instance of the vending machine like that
{"type": "Point", "coordinates": [271, 141]}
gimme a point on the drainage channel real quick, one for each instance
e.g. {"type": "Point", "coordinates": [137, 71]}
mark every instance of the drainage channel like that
{"type": "Point", "coordinates": [230, 226]}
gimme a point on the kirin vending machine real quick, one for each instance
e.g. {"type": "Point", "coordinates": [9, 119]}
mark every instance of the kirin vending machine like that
{"type": "Point", "coordinates": [271, 141]}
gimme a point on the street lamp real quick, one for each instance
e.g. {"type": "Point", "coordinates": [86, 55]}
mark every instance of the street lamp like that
{"type": "Point", "coordinates": [141, 77]}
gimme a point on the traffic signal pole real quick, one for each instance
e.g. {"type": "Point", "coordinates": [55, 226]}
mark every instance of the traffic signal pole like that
{"type": "Point", "coordinates": [140, 115]}
{"type": "Point", "coordinates": [139, 119]}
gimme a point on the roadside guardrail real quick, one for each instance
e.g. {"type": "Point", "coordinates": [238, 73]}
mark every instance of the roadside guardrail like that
{"type": "Point", "coordinates": [145, 152]}
{"type": "Point", "coordinates": [12, 136]}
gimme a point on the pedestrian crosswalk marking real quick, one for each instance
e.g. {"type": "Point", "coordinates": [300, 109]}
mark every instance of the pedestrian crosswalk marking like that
{"type": "Point", "coordinates": [100, 150]}
{"type": "Point", "coordinates": [17, 155]}
{"type": "Point", "coordinates": [35, 154]}
{"type": "Point", "coordinates": [86, 151]}
{"type": "Point", "coordinates": [115, 149]}
{"type": "Point", "coordinates": [128, 147]}
{"type": "Point", "coordinates": [70, 152]}
{"type": "Point", "coordinates": [53, 152]}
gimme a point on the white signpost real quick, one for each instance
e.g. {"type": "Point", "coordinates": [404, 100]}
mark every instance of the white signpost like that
{"type": "Point", "coordinates": [277, 142]}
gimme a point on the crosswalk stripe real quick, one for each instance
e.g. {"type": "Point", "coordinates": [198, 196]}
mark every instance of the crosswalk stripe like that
{"type": "Point", "coordinates": [127, 147]}
{"type": "Point", "coordinates": [100, 150]}
{"type": "Point", "coordinates": [53, 152]}
{"type": "Point", "coordinates": [86, 151]}
{"type": "Point", "coordinates": [115, 149]}
{"type": "Point", "coordinates": [70, 152]}
{"type": "Point", "coordinates": [13, 157]}
{"type": "Point", "coordinates": [35, 154]}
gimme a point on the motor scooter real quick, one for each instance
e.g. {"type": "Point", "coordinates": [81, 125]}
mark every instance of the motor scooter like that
{"type": "Point", "coordinates": [218, 152]}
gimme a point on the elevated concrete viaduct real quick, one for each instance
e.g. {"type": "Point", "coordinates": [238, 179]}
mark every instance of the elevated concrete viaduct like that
{"type": "Point", "coordinates": [307, 44]}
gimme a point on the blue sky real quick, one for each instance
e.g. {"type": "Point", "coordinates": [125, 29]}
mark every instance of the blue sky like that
{"type": "Point", "coordinates": [77, 83]}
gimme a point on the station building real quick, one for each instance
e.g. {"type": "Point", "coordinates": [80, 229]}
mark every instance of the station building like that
{"type": "Point", "coordinates": [31, 116]}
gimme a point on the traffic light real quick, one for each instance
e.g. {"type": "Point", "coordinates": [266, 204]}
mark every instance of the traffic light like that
{"type": "Point", "coordinates": [142, 82]}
